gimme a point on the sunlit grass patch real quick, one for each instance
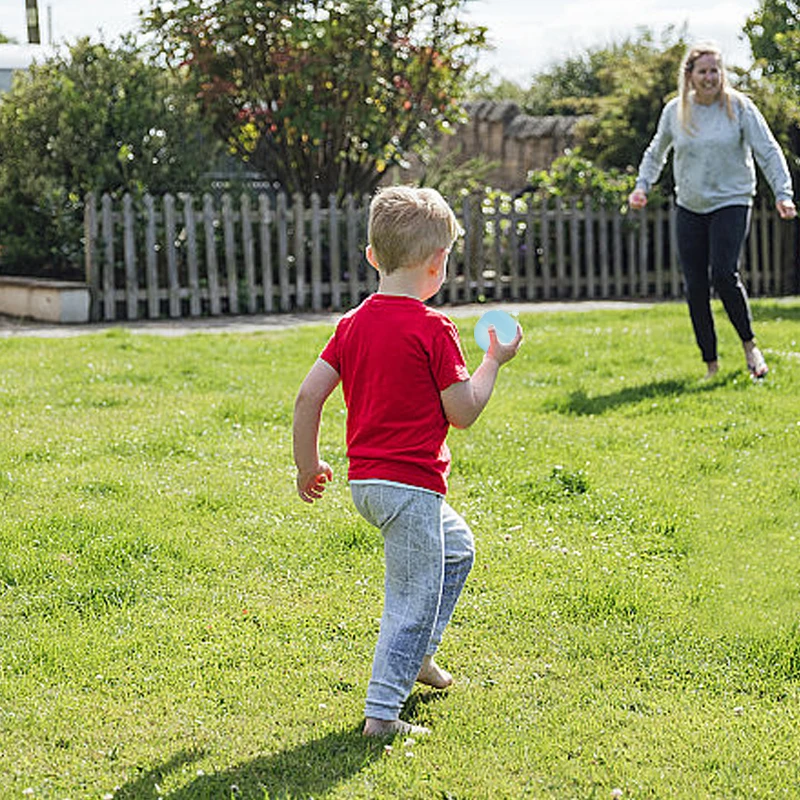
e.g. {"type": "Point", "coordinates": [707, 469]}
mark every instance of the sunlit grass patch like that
{"type": "Point", "coordinates": [175, 622]}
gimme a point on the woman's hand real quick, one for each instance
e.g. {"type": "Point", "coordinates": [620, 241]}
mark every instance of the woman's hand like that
{"type": "Point", "coordinates": [786, 209]}
{"type": "Point", "coordinates": [637, 199]}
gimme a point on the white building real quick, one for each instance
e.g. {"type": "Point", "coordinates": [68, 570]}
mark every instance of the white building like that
{"type": "Point", "coordinates": [15, 57]}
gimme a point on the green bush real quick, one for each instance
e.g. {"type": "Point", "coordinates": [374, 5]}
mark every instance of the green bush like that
{"type": "Point", "coordinates": [93, 119]}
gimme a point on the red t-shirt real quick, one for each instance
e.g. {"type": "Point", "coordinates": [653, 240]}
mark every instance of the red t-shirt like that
{"type": "Point", "coordinates": [395, 355]}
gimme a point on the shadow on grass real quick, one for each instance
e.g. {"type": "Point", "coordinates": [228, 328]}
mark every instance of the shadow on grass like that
{"type": "Point", "coordinates": [582, 404]}
{"type": "Point", "coordinates": [309, 770]}
{"type": "Point", "coordinates": [765, 310]}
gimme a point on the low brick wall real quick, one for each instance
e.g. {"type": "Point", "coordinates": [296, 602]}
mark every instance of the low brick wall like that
{"type": "Point", "coordinates": [44, 300]}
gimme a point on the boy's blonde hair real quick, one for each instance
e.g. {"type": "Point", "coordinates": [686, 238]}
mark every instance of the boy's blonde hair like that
{"type": "Point", "coordinates": [726, 93]}
{"type": "Point", "coordinates": [407, 226]}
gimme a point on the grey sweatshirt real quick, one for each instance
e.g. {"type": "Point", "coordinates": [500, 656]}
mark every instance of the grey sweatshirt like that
{"type": "Point", "coordinates": [713, 166]}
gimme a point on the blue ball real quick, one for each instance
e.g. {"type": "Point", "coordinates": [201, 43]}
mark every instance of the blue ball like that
{"type": "Point", "coordinates": [504, 324]}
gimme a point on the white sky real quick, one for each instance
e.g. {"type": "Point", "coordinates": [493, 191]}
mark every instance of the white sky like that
{"type": "Point", "coordinates": [529, 35]}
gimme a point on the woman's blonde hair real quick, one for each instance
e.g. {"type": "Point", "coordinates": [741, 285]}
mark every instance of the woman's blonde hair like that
{"type": "Point", "coordinates": [407, 226]}
{"type": "Point", "coordinates": [726, 93]}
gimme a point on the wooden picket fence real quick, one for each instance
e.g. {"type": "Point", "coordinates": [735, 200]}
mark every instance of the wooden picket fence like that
{"type": "Point", "coordinates": [183, 257]}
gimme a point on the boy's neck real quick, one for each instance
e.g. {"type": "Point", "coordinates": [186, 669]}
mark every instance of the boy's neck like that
{"type": "Point", "coordinates": [402, 283]}
{"type": "Point", "coordinates": [421, 281]}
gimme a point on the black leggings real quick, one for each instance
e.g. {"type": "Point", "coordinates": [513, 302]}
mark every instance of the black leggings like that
{"type": "Point", "coordinates": [714, 241]}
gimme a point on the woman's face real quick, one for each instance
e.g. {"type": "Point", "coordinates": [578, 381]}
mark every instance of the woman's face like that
{"type": "Point", "coordinates": [706, 78]}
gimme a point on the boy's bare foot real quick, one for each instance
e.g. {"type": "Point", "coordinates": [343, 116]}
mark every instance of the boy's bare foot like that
{"type": "Point", "coordinates": [431, 674]}
{"type": "Point", "coordinates": [392, 727]}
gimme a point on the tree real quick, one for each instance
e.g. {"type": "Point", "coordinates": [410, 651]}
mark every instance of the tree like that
{"type": "Point", "coordinates": [774, 34]}
{"type": "Point", "coordinates": [624, 88]}
{"type": "Point", "coordinates": [642, 80]}
{"type": "Point", "coordinates": [774, 84]}
{"type": "Point", "coordinates": [573, 86]}
{"type": "Point", "coordinates": [322, 96]}
{"type": "Point", "coordinates": [96, 119]}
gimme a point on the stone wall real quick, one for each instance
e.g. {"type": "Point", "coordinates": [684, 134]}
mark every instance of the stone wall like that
{"type": "Point", "coordinates": [499, 132]}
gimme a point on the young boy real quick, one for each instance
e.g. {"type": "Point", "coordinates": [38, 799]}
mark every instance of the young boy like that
{"type": "Point", "coordinates": [405, 382]}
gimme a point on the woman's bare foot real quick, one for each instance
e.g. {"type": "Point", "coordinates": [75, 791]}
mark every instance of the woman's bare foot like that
{"type": "Point", "coordinates": [755, 361]}
{"type": "Point", "coordinates": [712, 368]}
{"type": "Point", "coordinates": [392, 727]}
{"type": "Point", "coordinates": [431, 674]}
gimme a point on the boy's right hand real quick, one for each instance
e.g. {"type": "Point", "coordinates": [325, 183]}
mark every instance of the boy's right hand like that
{"type": "Point", "coordinates": [311, 484]}
{"type": "Point", "coordinates": [500, 352]}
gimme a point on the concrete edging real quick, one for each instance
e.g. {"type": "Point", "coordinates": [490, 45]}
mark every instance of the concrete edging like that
{"type": "Point", "coordinates": [44, 300]}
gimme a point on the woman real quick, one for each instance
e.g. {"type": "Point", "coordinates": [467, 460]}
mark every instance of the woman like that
{"type": "Point", "coordinates": [714, 131]}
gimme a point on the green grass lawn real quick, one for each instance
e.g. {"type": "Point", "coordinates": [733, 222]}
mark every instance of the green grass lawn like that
{"type": "Point", "coordinates": [175, 622]}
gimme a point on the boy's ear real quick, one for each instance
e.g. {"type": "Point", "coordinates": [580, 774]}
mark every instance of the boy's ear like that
{"type": "Point", "coordinates": [435, 264]}
{"type": "Point", "coordinates": [371, 257]}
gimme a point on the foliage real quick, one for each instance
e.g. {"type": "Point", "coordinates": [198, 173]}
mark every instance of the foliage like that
{"type": "Point", "coordinates": [573, 86]}
{"type": "Point", "coordinates": [774, 34]}
{"type": "Point", "coordinates": [780, 106]}
{"type": "Point", "coordinates": [485, 87]}
{"type": "Point", "coordinates": [638, 79]}
{"type": "Point", "coordinates": [451, 176]}
{"type": "Point", "coordinates": [93, 119]}
{"type": "Point", "coordinates": [573, 175]}
{"type": "Point", "coordinates": [178, 624]}
{"type": "Point", "coordinates": [620, 91]}
{"type": "Point", "coordinates": [322, 96]}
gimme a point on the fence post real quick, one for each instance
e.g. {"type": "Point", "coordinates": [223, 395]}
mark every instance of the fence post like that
{"type": "Point", "coordinates": [643, 260]}
{"type": "Point", "coordinates": [109, 300]}
{"type": "Point", "coordinates": [561, 262]}
{"type": "Point", "coordinates": [765, 262]}
{"type": "Point", "coordinates": [372, 274]}
{"type": "Point", "coordinates": [630, 260]}
{"type": "Point", "coordinates": [658, 251]}
{"type": "Point", "coordinates": [352, 250]}
{"type": "Point", "coordinates": [547, 268]}
{"type": "Point", "coordinates": [472, 234]}
{"type": "Point", "coordinates": [574, 249]}
{"type": "Point", "coordinates": [212, 267]}
{"type": "Point", "coordinates": [316, 254]}
{"type": "Point", "coordinates": [617, 248]}
{"type": "Point", "coordinates": [129, 242]}
{"type": "Point", "coordinates": [299, 215]}
{"type": "Point", "coordinates": [231, 271]}
{"type": "Point", "coordinates": [602, 222]}
{"type": "Point", "coordinates": [248, 252]}
{"type": "Point", "coordinates": [173, 281]}
{"type": "Point", "coordinates": [514, 253]}
{"type": "Point", "coordinates": [674, 266]}
{"type": "Point", "coordinates": [151, 254]}
{"type": "Point", "coordinates": [335, 254]}
{"type": "Point", "coordinates": [91, 271]}
{"type": "Point", "coordinates": [790, 263]}
{"type": "Point", "coordinates": [265, 238]}
{"type": "Point", "coordinates": [190, 221]}
{"type": "Point", "coordinates": [283, 252]}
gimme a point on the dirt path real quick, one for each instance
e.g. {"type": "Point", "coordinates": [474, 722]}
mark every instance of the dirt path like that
{"type": "Point", "coordinates": [10, 327]}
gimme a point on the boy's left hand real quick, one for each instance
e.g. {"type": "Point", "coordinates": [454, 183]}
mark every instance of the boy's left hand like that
{"type": "Point", "coordinates": [311, 485]}
{"type": "Point", "coordinates": [503, 353]}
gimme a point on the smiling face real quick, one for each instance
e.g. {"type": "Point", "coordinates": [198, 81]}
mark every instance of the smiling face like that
{"type": "Point", "coordinates": [706, 78]}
